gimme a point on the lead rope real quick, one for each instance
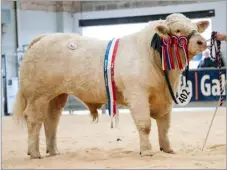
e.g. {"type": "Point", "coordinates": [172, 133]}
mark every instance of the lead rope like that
{"type": "Point", "coordinates": [217, 58]}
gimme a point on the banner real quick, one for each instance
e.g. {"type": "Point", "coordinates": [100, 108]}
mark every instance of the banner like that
{"type": "Point", "coordinates": [205, 84]}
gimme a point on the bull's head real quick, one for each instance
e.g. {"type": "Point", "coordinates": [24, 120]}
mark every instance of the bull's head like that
{"type": "Point", "coordinates": [179, 25]}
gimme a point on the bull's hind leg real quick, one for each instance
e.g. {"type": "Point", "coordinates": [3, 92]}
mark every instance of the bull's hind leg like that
{"type": "Point", "coordinates": [34, 115]}
{"type": "Point", "coordinates": [163, 124]}
{"type": "Point", "coordinates": [139, 107]}
{"type": "Point", "coordinates": [51, 122]}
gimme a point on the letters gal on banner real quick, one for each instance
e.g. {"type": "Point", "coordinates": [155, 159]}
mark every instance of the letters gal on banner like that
{"type": "Point", "coordinates": [205, 84]}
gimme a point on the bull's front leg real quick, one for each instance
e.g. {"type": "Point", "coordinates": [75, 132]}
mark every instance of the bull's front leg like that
{"type": "Point", "coordinates": [139, 106]}
{"type": "Point", "coordinates": [163, 124]}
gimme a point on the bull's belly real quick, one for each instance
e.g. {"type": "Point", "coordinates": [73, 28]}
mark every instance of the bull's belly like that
{"type": "Point", "coordinates": [88, 91]}
{"type": "Point", "coordinates": [88, 96]}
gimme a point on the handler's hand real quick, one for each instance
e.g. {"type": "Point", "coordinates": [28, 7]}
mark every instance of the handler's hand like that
{"type": "Point", "coordinates": [221, 36]}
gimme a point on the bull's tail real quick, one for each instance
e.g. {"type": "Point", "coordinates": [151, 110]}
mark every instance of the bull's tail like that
{"type": "Point", "coordinates": [19, 107]}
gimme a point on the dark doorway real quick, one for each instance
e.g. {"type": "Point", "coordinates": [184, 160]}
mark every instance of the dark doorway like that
{"type": "Point", "coordinates": [4, 83]}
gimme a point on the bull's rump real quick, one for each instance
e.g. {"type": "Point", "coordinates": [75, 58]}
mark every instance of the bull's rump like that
{"type": "Point", "coordinates": [50, 65]}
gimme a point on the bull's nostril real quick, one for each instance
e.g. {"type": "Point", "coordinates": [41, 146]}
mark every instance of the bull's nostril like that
{"type": "Point", "coordinates": [199, 42]}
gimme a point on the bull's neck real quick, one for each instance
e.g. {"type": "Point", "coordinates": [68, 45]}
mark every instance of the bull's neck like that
{"type": "Point", "coordinates": [143, 40]}
{"type": "Point", "coordinates": [174, 75]}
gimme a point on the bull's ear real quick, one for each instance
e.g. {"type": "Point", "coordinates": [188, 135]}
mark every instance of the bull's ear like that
{"type": "Point", "coordinates": [162, 29]}
{"type": "Point", "coordinates": [202, 25]}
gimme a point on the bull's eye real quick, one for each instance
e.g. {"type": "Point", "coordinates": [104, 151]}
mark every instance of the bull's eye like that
{"type": "Point", "coordinates": [178, 31]}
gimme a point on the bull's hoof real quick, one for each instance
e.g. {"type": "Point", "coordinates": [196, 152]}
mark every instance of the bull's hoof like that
{"type": "Point", "coordinates": [146, 153]}
{"type": "Point", "coordinates": [35, 156]}
{"type": "Point", "coordinates": [95, 121]}
{"type": "Point", "coordinates": [170, 151]}
{"type": "Point", "coordinates": [53, 153]}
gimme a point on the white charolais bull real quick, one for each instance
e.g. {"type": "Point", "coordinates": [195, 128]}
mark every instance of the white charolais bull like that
{"type": "Point", "coordinates": [50, 71]}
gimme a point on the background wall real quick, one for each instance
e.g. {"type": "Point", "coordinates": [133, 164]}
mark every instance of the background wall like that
{"type": "Point", "coordinates": [9, 41]}
{"type": "Point", "coordinates": [34, 18]}
{"type": "Point", "coordinates": [113, 5]}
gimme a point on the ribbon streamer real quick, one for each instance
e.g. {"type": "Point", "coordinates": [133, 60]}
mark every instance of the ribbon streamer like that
{"type": "Point", "coordinates": [176, 52]}
{"type": "Point", "coordinates": [109, 61]}
{"type": "Point", "coordinates": [167, 56]}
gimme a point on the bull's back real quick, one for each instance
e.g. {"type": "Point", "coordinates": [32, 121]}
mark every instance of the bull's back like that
{"type": "Point", "coordinates": [51, 62]}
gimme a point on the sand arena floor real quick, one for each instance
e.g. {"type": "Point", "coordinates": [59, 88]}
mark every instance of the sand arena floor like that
{"type": "Point", "coordinates": [84, 144]}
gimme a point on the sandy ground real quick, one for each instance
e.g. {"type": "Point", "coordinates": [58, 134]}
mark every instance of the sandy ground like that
{"type": "Point", "coordinates": [84, 144]}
